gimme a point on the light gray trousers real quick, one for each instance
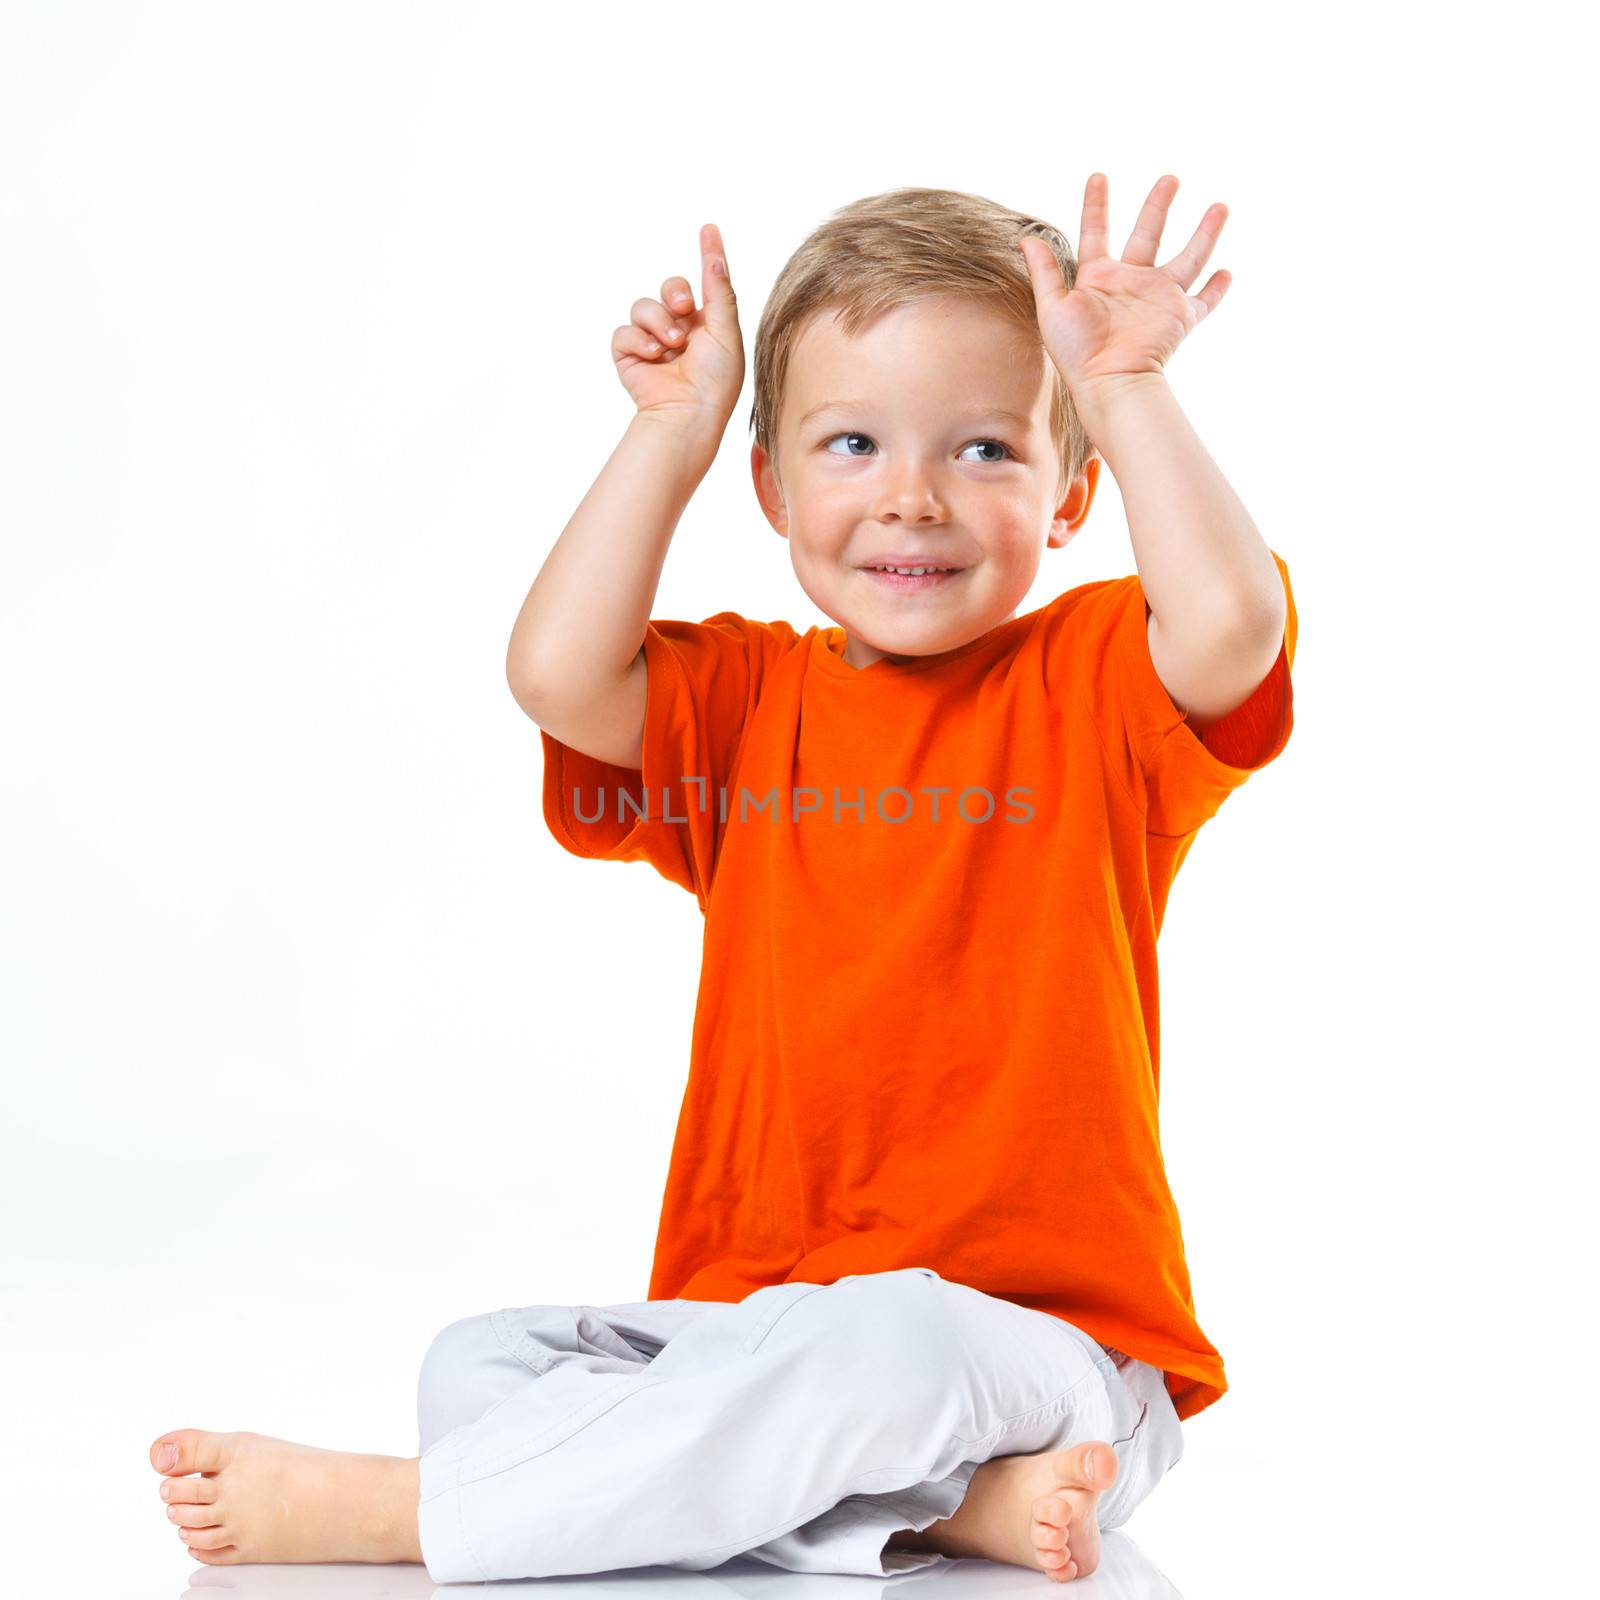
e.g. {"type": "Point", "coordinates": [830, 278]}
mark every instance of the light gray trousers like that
{"type": "Point", "coordinates": [802, 1426]}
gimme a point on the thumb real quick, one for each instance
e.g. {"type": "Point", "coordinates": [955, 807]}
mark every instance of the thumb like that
{"type": "Point", "coordinates": [1049, 284]}
{"type": "Point", "coordinates": [716, 291]}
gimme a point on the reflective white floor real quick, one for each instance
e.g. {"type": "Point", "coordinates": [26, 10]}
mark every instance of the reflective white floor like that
{"type": "Point", "coordinates": [1335, 1499]}
{"type": "Point", "coordinates": [1126, 1574]}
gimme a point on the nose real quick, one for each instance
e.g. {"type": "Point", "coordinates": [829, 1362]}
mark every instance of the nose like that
{"type": "Point", "coordinates": [908, 495]}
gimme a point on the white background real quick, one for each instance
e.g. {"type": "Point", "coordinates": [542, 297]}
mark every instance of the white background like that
{"type": "Point", "coordinates": [314, 1039]}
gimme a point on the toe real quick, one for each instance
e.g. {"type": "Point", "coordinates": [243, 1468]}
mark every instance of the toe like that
{"type": "Point", "coordinates": [1094, 1465]}
{"type": "Point", "coordinates": [208, 1538]}
{"type": "Point", "coordinates": [187, 1450]}
{"type": "Point", "coordinates": [194, 1516]}
{"type": "Point", "coordinates": [167, 1451]}
{"type": "Point", "coordinates": [1049, 1535]}
{"type": "Point", "coordinates": [1053, 1510]}
{"type": "Point", "coordinates": [227, 1556]}
{"type": "Point", "coordinates": [189, 1491]}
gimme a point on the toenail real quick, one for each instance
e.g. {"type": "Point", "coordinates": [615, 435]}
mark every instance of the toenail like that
{"type": "Point", "coordinates": [172, 1511]}
{"type": "Point", "coordinates": [166, 1491]}
{"type": "Point", "coordinates": [167, 1456]}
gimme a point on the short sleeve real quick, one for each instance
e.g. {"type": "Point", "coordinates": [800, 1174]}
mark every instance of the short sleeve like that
{"type": "Point", "coordinates": [702, 683]}
{"type": "Point", "coordinates": [1102, 646]}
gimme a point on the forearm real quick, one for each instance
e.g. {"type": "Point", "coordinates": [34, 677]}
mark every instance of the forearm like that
{"type": "Point", "coordinates": [583, 621]}
{"type": "Point", "coordinates": [1203, 565]}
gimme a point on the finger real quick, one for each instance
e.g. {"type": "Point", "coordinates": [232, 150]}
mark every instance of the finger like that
{"type": "Point", "coordinates": [1044, 271]}
{"type": "Point", "coordinates": [716, 289]}
{"type": "Point", "coordinates": [1210, 297]}
{"type": "Point", "coordinates": [652, 315]}
{"type": "Point", "coordinates": [632, 340]}
{"type": "Point", "coordinates": [1092, 229]}
{"type": "Point", "coordinates": [1145, 239]}
{"type": "Point", "coordinates": [677, 296]}
{"type": "Point", "coordinates": [1186, 265]}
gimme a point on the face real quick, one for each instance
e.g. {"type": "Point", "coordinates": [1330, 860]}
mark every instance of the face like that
{"type": "Point", "coordinates": [933, 448]}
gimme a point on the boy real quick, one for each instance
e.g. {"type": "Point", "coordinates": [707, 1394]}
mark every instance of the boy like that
{"type": "Point", "coordinates": [919, 1285]}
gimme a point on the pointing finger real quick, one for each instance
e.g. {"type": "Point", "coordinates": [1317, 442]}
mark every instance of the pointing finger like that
{"type": "Point", "coordinates": [715, 288]}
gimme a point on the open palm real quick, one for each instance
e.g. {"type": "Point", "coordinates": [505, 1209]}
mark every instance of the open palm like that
{"type": "Point", "coordinates": [1126, 317]}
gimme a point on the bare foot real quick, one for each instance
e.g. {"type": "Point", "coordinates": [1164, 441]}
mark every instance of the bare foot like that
{"type": "Point", "coordinates": [263, 1499]}
{"type": "Point", "coordinates": [1032, 1511]}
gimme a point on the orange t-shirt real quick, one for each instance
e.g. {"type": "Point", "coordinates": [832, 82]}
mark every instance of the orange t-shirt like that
{"type": "Point", "coordinates": [927, 1031]}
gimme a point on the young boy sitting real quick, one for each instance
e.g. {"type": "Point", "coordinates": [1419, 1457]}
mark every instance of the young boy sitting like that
{"type": "Point", "coordinates": [919, 1287]}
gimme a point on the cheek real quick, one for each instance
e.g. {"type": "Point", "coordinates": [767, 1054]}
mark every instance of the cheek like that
{"type": "Point", "coordinates": [825, 515]}
{"type": "Point", "coordinates": [1012, 516]}
{"type": "Point", "coordinates": [1003, 521]}
{"type": "Point", "coordinates": [1013, 500]}
{"type": "Point", "coordinates": [826, 496]}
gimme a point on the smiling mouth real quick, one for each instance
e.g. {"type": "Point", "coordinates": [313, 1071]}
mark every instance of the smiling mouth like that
{"type": "Point", "coordinates": [912, 582]}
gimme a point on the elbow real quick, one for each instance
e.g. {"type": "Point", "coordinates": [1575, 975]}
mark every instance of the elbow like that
{"type": "Point", "coordinates": [1266, 615]}
{"type": "Point", "coordinates": [524, 685]}
{"type": "Point", "coordinates": [1244, 615]}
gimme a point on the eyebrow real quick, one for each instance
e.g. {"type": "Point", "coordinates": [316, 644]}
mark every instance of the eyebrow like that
{"type": "Point", "coordinates": [971, 414]}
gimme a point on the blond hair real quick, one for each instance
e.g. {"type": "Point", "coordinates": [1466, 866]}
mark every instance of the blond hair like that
{"type": "Point", "coordinates": [901, 246]}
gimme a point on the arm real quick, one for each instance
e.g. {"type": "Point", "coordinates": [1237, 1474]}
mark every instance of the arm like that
{"type": "Point", "coordinates": [1217, 605]}
{"type": "Point", "coordinates": [575, 663]}
{"type": "Point", "coordinates": [1216, 600]}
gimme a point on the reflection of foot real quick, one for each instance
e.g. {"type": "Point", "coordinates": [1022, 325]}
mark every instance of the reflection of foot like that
{"type": "Point", "coordinates": [1033, 1511]}
{"type": "Point", "coordinates": [263, 1499]}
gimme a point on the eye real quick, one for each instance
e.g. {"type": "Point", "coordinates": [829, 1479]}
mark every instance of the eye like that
{"type": "Point", "coordinates": [991, 460]}
{"type": "Point", "coordinates": [976, 444]}
{"type": "Point", "coordinates": [844, 436]}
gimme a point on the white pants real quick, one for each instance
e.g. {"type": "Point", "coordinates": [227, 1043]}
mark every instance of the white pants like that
{"type": "Point", "coordinates": [802, 1426]}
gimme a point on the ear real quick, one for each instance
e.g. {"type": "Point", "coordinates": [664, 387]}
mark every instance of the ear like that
{"type": "Point", "coordinates": [768, 491]}
{"type": "Point", "coordinates": [1072, 511]}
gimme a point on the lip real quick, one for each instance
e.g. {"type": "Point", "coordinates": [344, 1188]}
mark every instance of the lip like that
{"type": "Point", "coordinates": [905, 584]}
{"type": "Point", "coordinates": [910, 561]}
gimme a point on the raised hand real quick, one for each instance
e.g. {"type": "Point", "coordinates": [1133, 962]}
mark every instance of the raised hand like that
{"type": "Point", "coordinates": [695, 375]}
{"type": "Point", "coordinates": [1122, 318]}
